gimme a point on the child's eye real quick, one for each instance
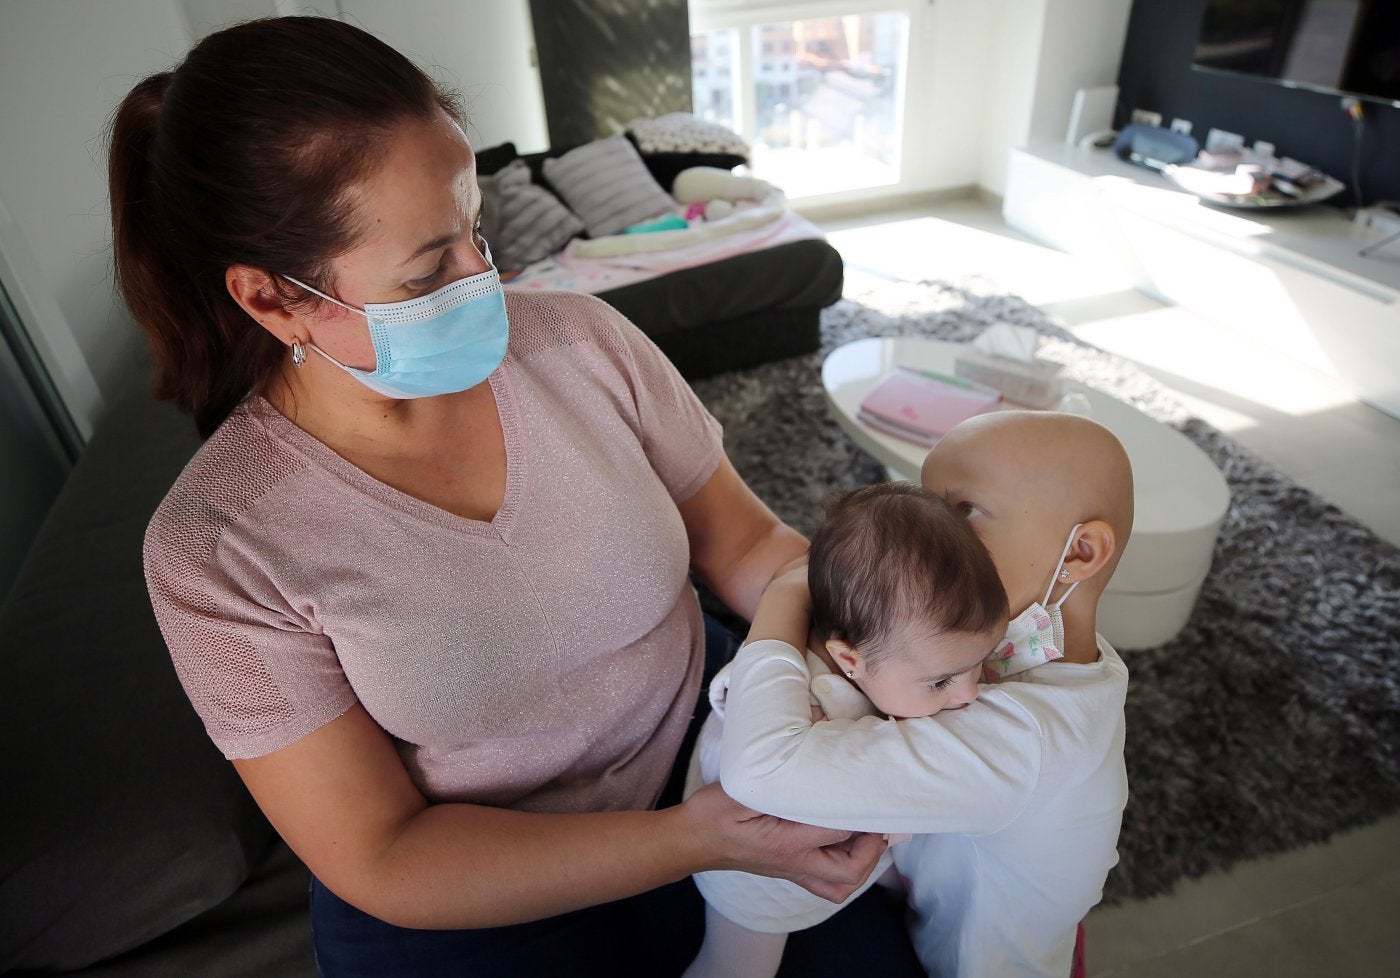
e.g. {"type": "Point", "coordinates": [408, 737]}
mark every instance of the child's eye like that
{"type": "Point", "coordinates": [966, 508]}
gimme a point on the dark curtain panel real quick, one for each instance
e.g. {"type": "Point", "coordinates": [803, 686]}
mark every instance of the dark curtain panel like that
{"type": "Point", "coordinates": [604, 63]}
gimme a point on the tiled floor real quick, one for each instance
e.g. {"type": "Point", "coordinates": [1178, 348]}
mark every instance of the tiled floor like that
{"type": "Point", "coordinates": [1329, 911]}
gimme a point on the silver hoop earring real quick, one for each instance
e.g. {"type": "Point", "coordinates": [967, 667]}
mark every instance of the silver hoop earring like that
{"type": "Point", "coordinates": [298, 353]}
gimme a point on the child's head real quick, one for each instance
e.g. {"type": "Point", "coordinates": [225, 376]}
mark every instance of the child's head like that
{"type": "Point", "coordinates": [905, 597]}
{"type": "Point", "coordinates": [1035, 485]}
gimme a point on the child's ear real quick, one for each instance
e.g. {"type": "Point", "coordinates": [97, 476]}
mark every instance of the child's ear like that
{"type": "Point", "coordinates": [846, 656]}
{"type": "Point", "coordinates": [1094, 545]}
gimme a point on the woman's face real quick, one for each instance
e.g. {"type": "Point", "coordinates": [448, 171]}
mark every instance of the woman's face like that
{"type": "Point", "coordinates": [420, 211]}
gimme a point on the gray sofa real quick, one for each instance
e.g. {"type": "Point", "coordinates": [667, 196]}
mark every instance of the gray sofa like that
{"type": "Point", "coordinates": [130, 847]}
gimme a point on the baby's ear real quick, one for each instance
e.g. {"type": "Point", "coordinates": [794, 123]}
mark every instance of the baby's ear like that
{"type": "Point", "coordinates": [1093, 547]}
{"type": "Point", "coordinates": [845, 655]}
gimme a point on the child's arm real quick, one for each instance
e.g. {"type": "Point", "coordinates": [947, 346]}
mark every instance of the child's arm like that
{"type": "Point", "coordinates": [785, 609]}
{"type": "Point", "coordinates": [967, 771]}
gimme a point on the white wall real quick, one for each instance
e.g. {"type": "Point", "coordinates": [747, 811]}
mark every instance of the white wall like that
{"type": "Point", "coordinates": [483, 48]}
{"type": "Point", "coordinates": [950, 74]}
{"type": "Point", "coordinates": [63, 67]}
{"type": "Point", "coordinates": [1044, 51]}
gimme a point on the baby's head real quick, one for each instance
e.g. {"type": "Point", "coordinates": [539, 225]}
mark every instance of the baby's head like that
{"type": "Point", "coordinates": [1036, 485]}
{"type": "Point", "coordinates": [905, 598]}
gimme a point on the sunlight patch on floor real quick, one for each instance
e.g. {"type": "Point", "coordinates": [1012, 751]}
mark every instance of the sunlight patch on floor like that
{"type": "Point", "coordinates": [930, 248]}
{"type": "Point", "coordinates": [1178, 343]}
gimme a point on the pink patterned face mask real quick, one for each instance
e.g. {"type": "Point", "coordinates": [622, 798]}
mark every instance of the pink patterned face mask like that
{"type": "Point", "coordinates": [1036, 635]}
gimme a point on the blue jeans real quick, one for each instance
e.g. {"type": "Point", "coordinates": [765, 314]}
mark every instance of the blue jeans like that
{"type": "Point", "coordinates": [650, 935]}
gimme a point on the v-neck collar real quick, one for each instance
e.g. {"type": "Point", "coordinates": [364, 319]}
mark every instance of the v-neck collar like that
{"type": "Point", "coordinates": [501, 525]}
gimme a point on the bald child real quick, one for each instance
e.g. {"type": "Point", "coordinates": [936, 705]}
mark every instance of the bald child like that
{"type": "Point", "coordinates": [1014, 800]}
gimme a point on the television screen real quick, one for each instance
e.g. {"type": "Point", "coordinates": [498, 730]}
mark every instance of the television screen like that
{"type": "Point", "coordinates": [1343, 46]}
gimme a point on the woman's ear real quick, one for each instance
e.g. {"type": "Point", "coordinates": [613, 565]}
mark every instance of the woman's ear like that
{"type": "Point", "coordinates": [846, 656]}
{"type": "Point", "coordinates": [1094, 546]}
{"type": "Point", "coordinates": [254, 290]}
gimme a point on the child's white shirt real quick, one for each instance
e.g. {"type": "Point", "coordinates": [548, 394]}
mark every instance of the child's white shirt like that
{"type": "Point", "coordinates": [1015, 801]}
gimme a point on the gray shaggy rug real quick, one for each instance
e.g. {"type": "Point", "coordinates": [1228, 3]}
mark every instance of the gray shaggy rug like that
{"type": "Point", "coordinates": [1273, 720]}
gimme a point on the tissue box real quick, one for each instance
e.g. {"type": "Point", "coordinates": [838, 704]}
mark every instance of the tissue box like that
{"type": "Point", "coordinates": [1035, 384]}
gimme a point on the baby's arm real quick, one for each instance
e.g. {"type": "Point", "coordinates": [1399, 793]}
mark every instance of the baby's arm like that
{"type": "Point", "coordinates": [784, 611]}
{"type": "Point", "coordinates": [969, 770]}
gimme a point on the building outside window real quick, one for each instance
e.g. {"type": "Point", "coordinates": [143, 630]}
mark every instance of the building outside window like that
{"type": "Point", "coordinates": [819, 99]}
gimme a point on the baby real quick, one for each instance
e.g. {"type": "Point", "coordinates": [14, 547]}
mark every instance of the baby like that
{"type": "Point", "coordinates": [906, 605]}
{"type": "Point", "coordinates": [1015, 800]}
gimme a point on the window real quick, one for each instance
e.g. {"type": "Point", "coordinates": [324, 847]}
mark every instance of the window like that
{"type": "Point", "coordinates": [820, 100]}
{"type": "Point", "coordinates": [712, 77]}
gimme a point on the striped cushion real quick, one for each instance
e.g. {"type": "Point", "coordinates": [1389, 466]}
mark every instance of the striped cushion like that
{"type": "Point", "coordinates": [522, 221]}
{"type": "Point", "coordinates": [606, 184]}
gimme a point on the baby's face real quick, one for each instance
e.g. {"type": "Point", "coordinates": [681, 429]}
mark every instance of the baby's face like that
{"type": "Point", "coordinates": [923, 675]}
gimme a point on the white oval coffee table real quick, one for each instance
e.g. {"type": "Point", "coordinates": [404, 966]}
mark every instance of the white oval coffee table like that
{"type": "Point", "coordinates": [1179, 496]}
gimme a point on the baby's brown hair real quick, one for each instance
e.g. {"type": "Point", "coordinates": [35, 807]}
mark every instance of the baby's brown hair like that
{"type": "Point", "coordinates": [893, 552]}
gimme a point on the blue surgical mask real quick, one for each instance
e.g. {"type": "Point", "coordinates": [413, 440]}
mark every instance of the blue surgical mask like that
{"type": "Point", "coordinates": [442, 343]}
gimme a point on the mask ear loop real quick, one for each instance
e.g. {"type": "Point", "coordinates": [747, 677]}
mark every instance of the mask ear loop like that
{"type": "Point", "coordinates": [313, 346]}
{"type": "Point", "coordinates": [323, 295]}
{"type": "Point", "coordinates": [1059, 572]}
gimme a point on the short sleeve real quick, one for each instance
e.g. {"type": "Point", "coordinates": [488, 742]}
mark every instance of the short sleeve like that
{"type": "Point", "coordinates": [258, 672]}
{"type": "Point", "coordinates": [682, 439]}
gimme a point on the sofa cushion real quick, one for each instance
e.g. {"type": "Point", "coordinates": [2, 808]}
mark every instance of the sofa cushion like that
{"type": "Point", "coordinates": [607, 185]}
{"type": "Point", "coordinates": [737, 312]}
{"type": "Point", "coordinates": [522, 222]}
{"type": "Point", "coordinates": [120, 820]}
{"type": "Point", "coordinates": [679, 141]}
{"type": "Point", "coordinates": [682, 132]}
{"type": "Point", "coordinates": [493, 159]}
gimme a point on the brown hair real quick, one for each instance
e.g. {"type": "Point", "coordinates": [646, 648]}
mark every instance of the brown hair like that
{"type": "Point", "coordinates": [894, 552]}
{"type": "Point", "coordinates": [245, 154]}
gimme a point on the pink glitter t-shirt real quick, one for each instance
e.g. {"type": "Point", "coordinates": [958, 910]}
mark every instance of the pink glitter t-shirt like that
{"type": "Point", "coordinates": [548, 660]}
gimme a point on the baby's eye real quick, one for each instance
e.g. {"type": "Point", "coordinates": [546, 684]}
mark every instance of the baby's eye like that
{"type": "Point", "coordinates": [943, 683]}
{"type": "Point", "coordinates": [966, 508]}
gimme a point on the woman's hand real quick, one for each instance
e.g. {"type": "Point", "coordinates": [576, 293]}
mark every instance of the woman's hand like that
{"type": "Point", "coordinates": [831, 863]}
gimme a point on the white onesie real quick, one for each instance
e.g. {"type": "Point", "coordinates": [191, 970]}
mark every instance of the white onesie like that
{"type": "Point", "coordinates": [1015, 801]}
{"type": "Point", "coordinates": [762, 903]}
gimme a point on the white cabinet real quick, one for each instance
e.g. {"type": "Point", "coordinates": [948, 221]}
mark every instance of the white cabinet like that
{"type": "Point", "coordinates": [1291, 278]}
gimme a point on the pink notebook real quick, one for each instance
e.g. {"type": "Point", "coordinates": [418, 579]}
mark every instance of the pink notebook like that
{"type": "Point", "coordinates": [921, 408]}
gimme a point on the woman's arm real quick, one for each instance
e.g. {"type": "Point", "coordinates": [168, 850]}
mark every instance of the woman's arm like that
{"type": "Point", "coordinates": [343, 801]}
{"type": "Point", "coordinates": [737, 544]}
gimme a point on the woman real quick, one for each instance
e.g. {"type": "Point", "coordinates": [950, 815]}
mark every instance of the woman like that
{"type": "Point", "coordinates": [426, 582]}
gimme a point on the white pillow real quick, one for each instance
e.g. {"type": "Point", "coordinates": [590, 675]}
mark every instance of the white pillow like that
{"type": "Point", "coordinates": [607, 185]}
{"type": "Point", "coordinates": [681, 132]}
